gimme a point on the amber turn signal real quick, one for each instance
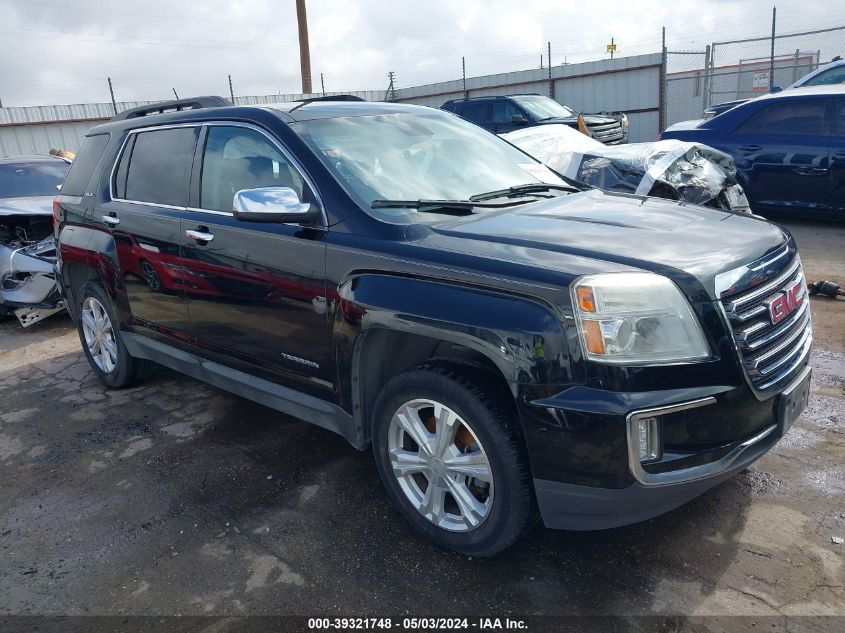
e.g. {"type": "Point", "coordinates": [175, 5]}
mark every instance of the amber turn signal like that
{"type": "Point", "coordinates": [593, 337]}
{"type": "Point", "coordinates": [586, 301]}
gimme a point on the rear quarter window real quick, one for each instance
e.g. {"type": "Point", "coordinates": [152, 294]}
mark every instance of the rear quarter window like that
{"type": "Point", "coordinates": [83, 166]}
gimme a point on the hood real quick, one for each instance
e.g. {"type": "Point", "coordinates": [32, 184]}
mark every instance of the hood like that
{"type": "Point", "coordinates": [688, 243]}
{"type": "Point", "coordinates": [36, 205]}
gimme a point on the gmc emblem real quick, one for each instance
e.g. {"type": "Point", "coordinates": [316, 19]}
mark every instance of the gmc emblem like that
{"type": "Point", "coordinates": [784, 303]}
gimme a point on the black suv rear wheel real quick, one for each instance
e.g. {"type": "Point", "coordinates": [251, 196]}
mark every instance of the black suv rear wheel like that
{"type": "Point", "coordinates": [101, 341]}
{"type": "Point", "coordinates": [452, 458]}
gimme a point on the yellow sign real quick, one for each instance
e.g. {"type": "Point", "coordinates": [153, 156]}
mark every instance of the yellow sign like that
{"type": "Point", "coordinates": [611, 48]}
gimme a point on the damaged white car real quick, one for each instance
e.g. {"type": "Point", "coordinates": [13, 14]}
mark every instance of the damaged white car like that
{"type": "Point", "coordinates": [677, 170]}
{"type": "Point", "coordinates": [28, 186]}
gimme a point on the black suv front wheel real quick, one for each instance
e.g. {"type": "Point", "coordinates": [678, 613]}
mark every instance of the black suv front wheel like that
{"type": "Point", "coordinates": [452, 458]}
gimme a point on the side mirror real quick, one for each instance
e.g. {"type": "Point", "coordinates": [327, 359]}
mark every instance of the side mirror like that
{"type": "Point", "coordinates": [279, 205]}
{"type": "Point", "coordinates": [777, 89]}
{"type": "Point", "coordinates": [519, 119]}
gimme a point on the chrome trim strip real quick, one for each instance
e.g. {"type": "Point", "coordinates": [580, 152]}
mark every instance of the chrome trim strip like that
{"type": "Point", "coordinates": [776, 332]}
{"type": "Point", "coordinates": [770, 286]}
{"type": "Point", "coordinates": [209, 211]}
{"type": "Point", "coordinates": [802, 358]}
{"type": "Point", "coordinates": [727, 279]}
{"type": "Point", "coordinates": [683, 475]}
{"type": "Point", "coordinates": [785, 344]}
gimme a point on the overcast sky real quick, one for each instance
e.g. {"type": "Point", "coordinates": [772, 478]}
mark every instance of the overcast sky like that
{"type": "Point", "coordinates": [61, 51]}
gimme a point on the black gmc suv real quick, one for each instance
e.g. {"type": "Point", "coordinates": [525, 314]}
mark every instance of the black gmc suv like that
{"type": "Point", "coordinates": [507, 341]}
{"type": "Point", "coordinates": [506, 114]}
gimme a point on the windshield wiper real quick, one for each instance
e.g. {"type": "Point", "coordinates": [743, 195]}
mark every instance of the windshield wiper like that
{"type": "Point", "coordinates": [521, 190]}
{"type": "Point", "coordinates": [450, 207]}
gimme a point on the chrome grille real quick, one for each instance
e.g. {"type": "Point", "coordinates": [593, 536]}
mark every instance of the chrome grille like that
{"type": "Point", "coordinates": [770, 352]}
{"type": "Point", "coordinates": [607, 133]}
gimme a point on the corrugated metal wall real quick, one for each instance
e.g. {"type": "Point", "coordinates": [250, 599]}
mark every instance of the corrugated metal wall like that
{"type": "Point", "coordinates": [629, 84]}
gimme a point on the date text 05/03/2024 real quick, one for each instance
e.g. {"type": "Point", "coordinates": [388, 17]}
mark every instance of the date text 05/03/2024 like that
{"type": "Point", "coordinates": [417, 624]}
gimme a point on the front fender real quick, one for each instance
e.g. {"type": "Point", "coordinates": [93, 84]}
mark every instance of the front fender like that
{"type": "Point", "coordinates": [521, 336]}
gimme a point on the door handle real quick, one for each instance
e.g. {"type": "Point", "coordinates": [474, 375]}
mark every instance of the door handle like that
{"type": "Point", "coordinates": [199, 236]}
{"type": "Point", "coordinates": [751, 148]}
{"type": "Point", "coordinates": [111, 219]}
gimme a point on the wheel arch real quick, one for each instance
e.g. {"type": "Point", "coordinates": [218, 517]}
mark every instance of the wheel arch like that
{"type": "Point", "coordinates": [386, 324]}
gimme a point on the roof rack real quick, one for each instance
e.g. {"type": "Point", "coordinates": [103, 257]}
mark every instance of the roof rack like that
{"type": "Point", "coordinates": [178, 105]}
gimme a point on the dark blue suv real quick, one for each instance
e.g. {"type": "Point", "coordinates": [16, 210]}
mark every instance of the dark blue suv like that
{"type": "Point", "coordinates": [789, 149]}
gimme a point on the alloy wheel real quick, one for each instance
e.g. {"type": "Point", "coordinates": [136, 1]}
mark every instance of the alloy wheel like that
{"type": "Point", "coordinates": [440, 465]}
{"type": "Point", "coordinates": [99, 335]}
{"type": "Point", "coordinates": [150, 276]}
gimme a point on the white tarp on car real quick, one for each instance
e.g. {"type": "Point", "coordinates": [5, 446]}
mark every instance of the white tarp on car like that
{"type": "Point", "coordinates": [673, 169]}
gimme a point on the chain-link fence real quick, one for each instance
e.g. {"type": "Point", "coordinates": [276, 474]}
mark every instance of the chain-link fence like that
{"type": "Point", "coordinates": [743, 69]}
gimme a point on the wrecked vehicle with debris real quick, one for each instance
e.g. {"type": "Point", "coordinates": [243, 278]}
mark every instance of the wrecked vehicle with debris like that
{"type": "Point", "coordinates": [28, 186]}
{"type": "Point", "coordinates": [677, 170]}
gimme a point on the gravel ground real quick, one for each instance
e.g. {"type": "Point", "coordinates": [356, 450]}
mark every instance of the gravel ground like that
{"type": "Point", "coordinates": [177, 498]}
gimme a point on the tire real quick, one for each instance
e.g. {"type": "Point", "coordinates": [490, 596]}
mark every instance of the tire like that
{"type": "Point", "coordinates": [101, 340]}
{"type": "Point", "coordinates": [485, 440]}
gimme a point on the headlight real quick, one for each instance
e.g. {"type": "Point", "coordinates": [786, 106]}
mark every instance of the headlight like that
{"type": "Point", "coordinates": [636, 318]}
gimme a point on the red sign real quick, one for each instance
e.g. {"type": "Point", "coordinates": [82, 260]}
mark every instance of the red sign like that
{"type": "Point", "coordinates": [783, 304]}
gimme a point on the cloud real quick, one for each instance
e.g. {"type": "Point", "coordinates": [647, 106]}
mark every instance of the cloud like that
{"type": "Point", "coordinates": [58, 51]}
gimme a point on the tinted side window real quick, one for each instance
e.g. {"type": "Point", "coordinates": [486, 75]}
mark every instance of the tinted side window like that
{"type": "Point", "coordinates": [503, 112]}
{"type": "Point", "coordinates": [122, 168]}
{"type": "Point", "coordinates": [839, 124]}
{"type": "Point", "coordinates": [830, 76]}
{"type": "Point", "coordinates": [160, 166]}
{"type": "Point", "coordinates": [83, 166]}
{"type": "Point", "coordinates": [476, 112]}
{"type": "Point", "coordinates": [238, 158]}
{"type": "Point", "coordinates": [787, 117]}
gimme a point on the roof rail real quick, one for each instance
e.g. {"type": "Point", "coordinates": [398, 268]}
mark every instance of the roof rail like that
{"type": "Point", "coordinates": [305, 102]}
{"type": "Point", "coordinates": [336, 98]}
{"type": "Point", "coordinates": [519, 94]}
{"type": "Point", "coordinates": [192, 103]}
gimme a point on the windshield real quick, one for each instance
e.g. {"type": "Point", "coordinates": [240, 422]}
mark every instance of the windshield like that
{"type": "Point", "coordinates": [544, 108]}
{"type": "Point", "coordinates": [415, 156]}
{"type": "Point", "coordinates": [30, 179]}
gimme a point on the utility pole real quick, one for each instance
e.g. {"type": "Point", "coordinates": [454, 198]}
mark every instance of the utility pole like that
{"type": "Point", "coordinates": [111, 91]}
{"type": "Point", "coordinates": [390, 94]}
{"type": "Point", "coordinates": [231, 91]}
{"type": "Point", "coordinates": [661, 114]}
{"type": "Point", "coordinates": [612, 48]}
{"type": "Point", "coordinates": [772, 54]}
{"type": "Point", "coordinates": [174, 94]}
{"type": "Point", "coordinates": [551, 83]}
{"type": "Point", "coordinates": [323, 84]}
{"type": "Point", "coordinates": [464, 75]}
{"type": "Point", "coordinates": [541, 61]}
{"type": "Point", "coordinates": [304, 51]}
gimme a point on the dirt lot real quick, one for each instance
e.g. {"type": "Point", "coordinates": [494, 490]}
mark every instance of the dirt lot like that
{"type": "Point", "coordinates": [177, 498]}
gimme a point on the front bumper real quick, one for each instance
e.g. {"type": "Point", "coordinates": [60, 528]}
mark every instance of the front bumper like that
{"type": "Point", "coordinates": [636, 491]}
